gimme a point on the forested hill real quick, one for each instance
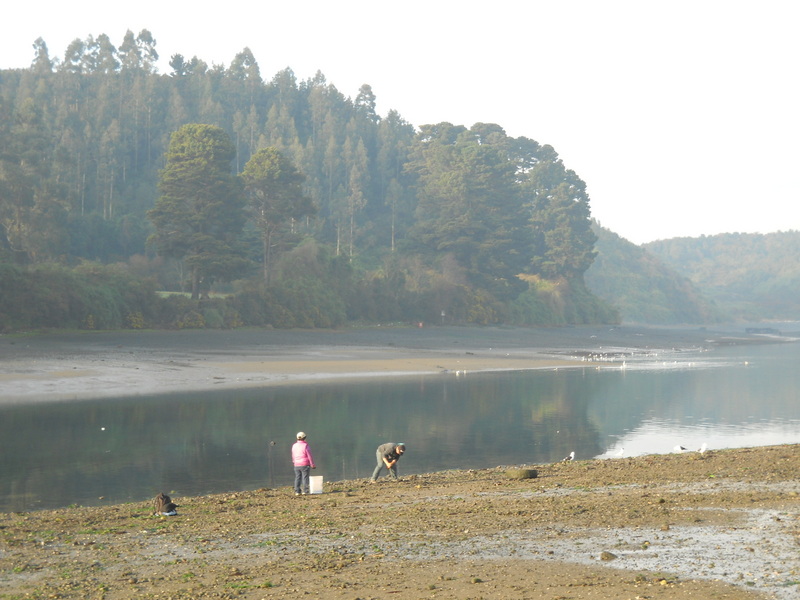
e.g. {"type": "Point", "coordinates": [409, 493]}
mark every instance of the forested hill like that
{"type": "Point", "coordinates": [750, 276]}
{"type": "Point", "coordinates": [377, 219]}
{"type": "Point", "coordinates": [643, 288]}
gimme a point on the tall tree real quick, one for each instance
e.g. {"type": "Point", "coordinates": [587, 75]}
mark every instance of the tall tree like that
{"type": "Point", "coordinates": [41, 63]}
{"type": "Point", "coordinates": [200, 211]}
{"type": "Point", "coordinates": [275, 197]}
{"type": "Point", "coordinates": [395, 136]}
{"type": "Point", "coordinates": [100, 55]}
{"type": "Point", "coordinates": [357, 184]}
{"type": "Point", "coordinates": [469, 204]}
{"type": "Point", "coordinates": [31, 202]}
{"type": "Point", "coordinates": [74, 57]}
{"type": "Point", "coordinates": [559, 220]}
{"type": "Point", "coordinates": [365, 102]}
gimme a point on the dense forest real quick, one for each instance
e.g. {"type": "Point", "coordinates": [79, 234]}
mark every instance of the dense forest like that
{"type": "Point", "coordinates": [210, 197]}
{"type": "Point", "coordinates": [644, 288]}
{"type": "Point", "coordinates": [750, 276]}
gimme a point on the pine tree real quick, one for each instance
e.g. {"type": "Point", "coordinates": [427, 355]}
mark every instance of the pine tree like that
{"type": "Point", "coordinates": [200, 211]}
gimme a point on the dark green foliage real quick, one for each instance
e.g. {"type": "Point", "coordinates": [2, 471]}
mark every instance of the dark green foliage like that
{"type": "Point", "coordinates": [179, 311]}
{"type": "Point", "coordinates": [560, 302]}
{"type": "Point", "coordinates": [90, 297]}
{"type": "Point", "coordinates": [501, 207]}
{"type": "Point", "coordinates": [275, 200]}
{"type": "Point", "coordinates": [469, 204]}
{"type": "Point", "coordinates": [310, 289]}
{"type": "Point", "coordinates": [13, 311]}
{"type": "Point", "coordinates": [405, 225]}
{"type": "Point", "coordinates": [200, 211]}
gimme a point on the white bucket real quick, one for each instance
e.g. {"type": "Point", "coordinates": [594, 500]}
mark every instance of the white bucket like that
{"type": "Point", "coordinates": [315, 484]}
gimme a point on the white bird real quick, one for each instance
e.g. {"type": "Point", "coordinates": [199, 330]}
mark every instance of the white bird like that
{"type": "Point", "coordinates": [679, 449]}
{"type": "Point", "coordinates": [703, 448]}
{"type": "Point", "coordinates": [620, 453]}
{"type": "Point", "coordinates": [569, 458]}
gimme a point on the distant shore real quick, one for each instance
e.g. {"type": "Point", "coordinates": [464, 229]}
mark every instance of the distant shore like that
{"type": "Point", "coordinates": [83, 365]}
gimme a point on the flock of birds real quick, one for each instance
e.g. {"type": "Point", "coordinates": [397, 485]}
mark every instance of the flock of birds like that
{"type": "Point", "coordinates": [621, 452]}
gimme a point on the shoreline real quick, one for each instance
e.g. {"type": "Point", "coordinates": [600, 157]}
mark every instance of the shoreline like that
{"type": "Point", "coordinates": [719, 524]}
{"type": "Point", "coordinates": [90, 365]}
{"type": "Point", "coordinates": [723, 524]}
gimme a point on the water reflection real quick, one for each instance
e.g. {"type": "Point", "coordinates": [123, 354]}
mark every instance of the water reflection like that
{"type": "Point", "coordinates": [131, 449]}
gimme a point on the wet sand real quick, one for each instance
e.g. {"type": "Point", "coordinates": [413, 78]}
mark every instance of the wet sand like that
{"type": "Point", "coordinates": [724, 524]}
{"type": "Point", "coordinates": [719, 525]}
{"type": "Point", "coordinates": [68, 366]}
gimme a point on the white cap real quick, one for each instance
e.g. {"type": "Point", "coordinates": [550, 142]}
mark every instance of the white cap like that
{"type": "Point", "coordinates": [301, 435]}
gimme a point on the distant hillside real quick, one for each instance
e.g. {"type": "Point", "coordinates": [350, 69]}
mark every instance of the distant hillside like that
{"type": "Point", "coordinates": [642, 287]}
{"type": "Point", "coordinates": [751, 276]}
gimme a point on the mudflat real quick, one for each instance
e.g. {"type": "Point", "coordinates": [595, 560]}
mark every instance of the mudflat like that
{"type": "Point", "coordinates": [64, 366]}
{"type": "Point", "coordinates": [717, 524]}
{"type": "Point", "coordinates": [721, 524]}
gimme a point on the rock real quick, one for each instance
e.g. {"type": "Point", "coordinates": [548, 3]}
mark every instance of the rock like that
{"type": "Point", "coordinates": [607, 555]}
{"type": "Point", "coordinates": [522, 473]}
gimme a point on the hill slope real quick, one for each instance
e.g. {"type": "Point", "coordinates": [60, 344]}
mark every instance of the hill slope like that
{"type": "Point", "coordinates": [642, 287]}
{"type": "Point", "coordinates": [750, 276]}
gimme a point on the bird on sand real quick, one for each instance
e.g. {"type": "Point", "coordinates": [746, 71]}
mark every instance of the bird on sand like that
{"type": "Point", "coordinates": [679, 449]}
{"type": "Point", "coordinates": [569, 458]}
{"type": "Point", "coordinates": [703, 448]}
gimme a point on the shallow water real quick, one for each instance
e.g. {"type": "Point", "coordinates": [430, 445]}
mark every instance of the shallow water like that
{"type": "Point", "coordinates": [129, 449]}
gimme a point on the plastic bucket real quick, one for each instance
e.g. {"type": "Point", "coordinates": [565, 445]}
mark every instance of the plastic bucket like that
{"type": "Point", "coordinates": [315, 484]}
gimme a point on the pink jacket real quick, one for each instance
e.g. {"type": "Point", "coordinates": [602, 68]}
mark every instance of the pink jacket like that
{"type": "Point", "coordinates": [301, 454]}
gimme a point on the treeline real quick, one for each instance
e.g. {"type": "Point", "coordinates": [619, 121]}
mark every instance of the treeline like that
{"type": "Point", "coordinates": [750, 276]}
{"type": "Point", "coordinates": [402, 223]}
{"type": "Point", "coordinates": [644, 288]}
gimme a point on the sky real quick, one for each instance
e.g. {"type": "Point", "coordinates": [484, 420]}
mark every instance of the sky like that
{"type": "Point", "coordinates": [680, 116]}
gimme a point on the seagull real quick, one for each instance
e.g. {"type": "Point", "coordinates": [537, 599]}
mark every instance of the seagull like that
{"type": "Point", "coordinates": [569, 458]}
{"type": "Point", "coordinates": [679, 449]}
{"type": "Point", "coordinates": [620, 453]}
{"type": "Point", "coordinates": [703, 448]}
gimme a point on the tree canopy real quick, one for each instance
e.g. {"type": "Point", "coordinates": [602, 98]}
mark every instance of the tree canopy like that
{"type": "Point", "coordinates": [275, 197]}
{"type": "Point", "coordinates": [200, 213]}
{"type": "Point", "coordinates": [217, 171]}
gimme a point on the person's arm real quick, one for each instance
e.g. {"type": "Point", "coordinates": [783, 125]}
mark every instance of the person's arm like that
{"type": "Point", "coordinates": [310, 458]}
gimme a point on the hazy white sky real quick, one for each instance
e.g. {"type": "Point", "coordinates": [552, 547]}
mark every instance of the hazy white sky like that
{"type": "Point", "coordinates": [681, 116]}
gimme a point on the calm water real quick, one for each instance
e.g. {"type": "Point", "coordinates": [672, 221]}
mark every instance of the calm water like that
{"type": "Point", "coordinates": [120, 450]}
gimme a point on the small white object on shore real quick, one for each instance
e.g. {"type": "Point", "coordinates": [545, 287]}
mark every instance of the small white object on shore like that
{"type": "Point", "coordinates": [569, 458]}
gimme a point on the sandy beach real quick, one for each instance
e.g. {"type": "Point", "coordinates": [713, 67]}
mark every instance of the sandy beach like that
{"type": "Point", "coordinates": [68, 366]}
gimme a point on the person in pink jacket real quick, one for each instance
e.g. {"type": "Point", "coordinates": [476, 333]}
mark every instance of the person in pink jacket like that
{"type": "Point", "coordinates": [303, 462]}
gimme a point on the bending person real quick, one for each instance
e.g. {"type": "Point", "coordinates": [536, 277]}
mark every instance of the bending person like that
{"type": "Point", "coordinates": [387, 456]}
